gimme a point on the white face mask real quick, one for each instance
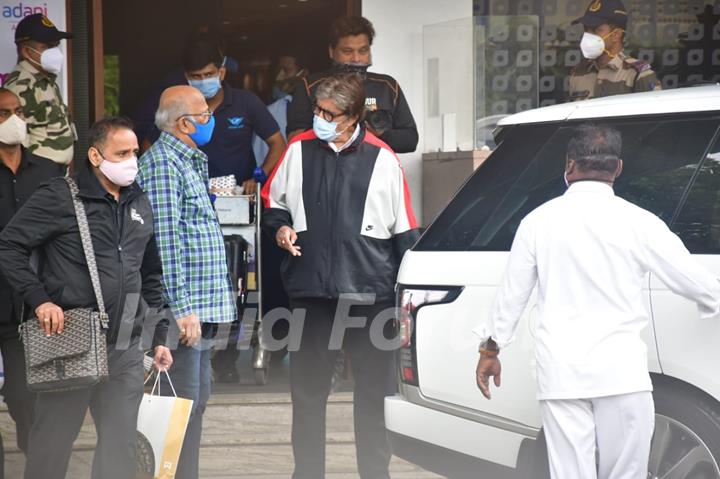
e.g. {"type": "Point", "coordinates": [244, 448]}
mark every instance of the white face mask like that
{"type": "Point", "coordinates": [51, 60]}
{"type": "Point", "coordinates": [592, 46]}
{"type": "Point", "coordinates": [13, 131]}
{"type": "Point", "coordinates": [122, 173]}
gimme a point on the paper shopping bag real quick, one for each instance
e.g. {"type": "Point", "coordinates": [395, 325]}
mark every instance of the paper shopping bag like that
{"type": "Point", "coordinates": [162, 422]}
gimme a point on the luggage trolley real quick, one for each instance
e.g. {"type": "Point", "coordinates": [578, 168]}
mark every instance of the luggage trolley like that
{"type": "Point", "coordinates": [239, 215]}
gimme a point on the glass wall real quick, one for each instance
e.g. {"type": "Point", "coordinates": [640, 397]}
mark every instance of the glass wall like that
{"type": "Point", "coordinates": [514, 55]}
{"type": "Point", "coordinates": [477, 70]}
{"type": "Point", "coordinates": [506, 68]}
{"type": "Point", "coordinates": [449, 82]}
{"type": "Point", "coordinates": [679, 38]}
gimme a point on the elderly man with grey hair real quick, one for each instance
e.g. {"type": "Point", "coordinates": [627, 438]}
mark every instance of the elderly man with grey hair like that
{"type": "Point", "coordinates": [338, 204]}
{"type": "Point", "coordinates": [174, 174]}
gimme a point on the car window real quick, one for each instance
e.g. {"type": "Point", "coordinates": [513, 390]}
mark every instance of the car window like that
{"type": "Point", "coordinates": [457, 226]}
{"type": "Point", "coordinates": [660, 156]}
{"type": "Point", "coordinates": [698, 223]}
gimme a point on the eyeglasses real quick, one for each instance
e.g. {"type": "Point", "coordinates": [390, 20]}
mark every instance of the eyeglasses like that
{"type": "Point", "coordinates": [325, 114]}
{"type": "Point", "coordinates": [205, 116]}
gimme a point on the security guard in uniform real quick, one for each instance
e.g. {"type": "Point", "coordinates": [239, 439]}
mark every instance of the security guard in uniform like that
{"type": "Point", "coordinates": [388, 114]}
{"type": "Point", "coordinates": [51, 132]}
{"type": "Point", "coordinates": [607, 70]}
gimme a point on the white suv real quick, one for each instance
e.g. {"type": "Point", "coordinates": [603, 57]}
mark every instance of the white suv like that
{"type": "Point", "coordinates": [447, 282]}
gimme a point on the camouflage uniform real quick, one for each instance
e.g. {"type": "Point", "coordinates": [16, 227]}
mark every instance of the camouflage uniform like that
{"type": "Point", "coordinates": [622, 74]}
{"type": "Point", "coordinates": [51, 133]}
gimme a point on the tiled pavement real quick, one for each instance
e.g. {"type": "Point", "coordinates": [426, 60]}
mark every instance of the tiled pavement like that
{"type": "Point", "coordinates": [246, 435]}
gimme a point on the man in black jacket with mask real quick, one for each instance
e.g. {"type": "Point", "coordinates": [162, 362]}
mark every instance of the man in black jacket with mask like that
{"type": "Point", "coordinates": [21, 173]}
{"type": "Point", "coordinates": [121, 225]}
{"type": "Point", "coordinates": [388, 114]}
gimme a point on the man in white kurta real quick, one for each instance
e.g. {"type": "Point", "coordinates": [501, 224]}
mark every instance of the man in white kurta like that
{"type": "Point", "coordinates": [589, 253]}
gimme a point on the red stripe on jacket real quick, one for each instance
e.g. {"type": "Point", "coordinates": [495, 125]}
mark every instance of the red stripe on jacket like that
{"type": "Point", "coordinates": [265, 193]}
{"type": "Point", "coordinates": [375, 141]}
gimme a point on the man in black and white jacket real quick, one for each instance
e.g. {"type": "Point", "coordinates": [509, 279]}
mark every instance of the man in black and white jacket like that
{"type": "Point", "coordinates": [339, 204]}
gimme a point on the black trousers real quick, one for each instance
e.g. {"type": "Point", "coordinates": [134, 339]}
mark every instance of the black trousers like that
{"type": "Point", "coordinates": [311, 370]}
{"type": "Point", "coordinates": [114, 407]}
{"type": "Point", "coordinates": [19, 400]}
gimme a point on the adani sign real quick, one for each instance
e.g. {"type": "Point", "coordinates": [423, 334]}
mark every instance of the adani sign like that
{"type": "Point", "coordinates": [11, 12]}
{"type": "Point", "coordinates": [20, 11]}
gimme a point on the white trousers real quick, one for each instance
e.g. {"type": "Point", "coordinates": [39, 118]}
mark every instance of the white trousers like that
{"type": "Point", "coordinates": [600, 438]}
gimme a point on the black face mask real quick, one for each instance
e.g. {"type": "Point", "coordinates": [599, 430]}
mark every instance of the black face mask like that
{"type": "Point", "coordinates": [351, 68]}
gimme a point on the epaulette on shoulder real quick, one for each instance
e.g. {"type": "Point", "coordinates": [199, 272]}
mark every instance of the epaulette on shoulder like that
{"type": "Point", "coordinates": [639, 65]}
{"type": "Point", "coordinates": [13, 77]}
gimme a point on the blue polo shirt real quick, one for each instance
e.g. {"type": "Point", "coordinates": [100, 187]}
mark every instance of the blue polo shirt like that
{"type": "Point", "coordinates": [230, 150]}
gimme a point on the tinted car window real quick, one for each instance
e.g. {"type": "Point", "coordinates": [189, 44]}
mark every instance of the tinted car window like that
{"type": "Point", "coordinates": [661, 155]}
{"type": "Point", "coordinates": [457, 226]}
{"type": "Point", "coordinates": [660, 158]}
{"type": "Point", "coordinates": [698, 223]}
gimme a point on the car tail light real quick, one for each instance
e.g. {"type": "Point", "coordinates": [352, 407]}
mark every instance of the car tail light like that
{"type": "Point", "coordinates": [409, 301]}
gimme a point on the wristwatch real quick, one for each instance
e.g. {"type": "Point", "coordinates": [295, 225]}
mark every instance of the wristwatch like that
{"type": "Point", "coordinates": [489, 348]}
{"type": "Point", "coordinates": [259, 175]}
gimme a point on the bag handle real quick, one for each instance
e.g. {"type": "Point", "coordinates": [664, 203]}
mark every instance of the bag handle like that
{"type": "Point", "coordinates": [156, 384]}
{"type": "Point", "coordinates": [88, 248]}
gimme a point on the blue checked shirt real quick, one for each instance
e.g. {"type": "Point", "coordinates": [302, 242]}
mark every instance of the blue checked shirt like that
{"type": "Point", "coordinates": [175, 178]}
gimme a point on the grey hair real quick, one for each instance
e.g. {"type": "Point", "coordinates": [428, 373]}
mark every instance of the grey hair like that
{"type": "Point", "coordinates": [595, 148]}
{"type": "Point", "coordinates": [347, 91]}
{"type": "Point", "coordinates": [166, 115]}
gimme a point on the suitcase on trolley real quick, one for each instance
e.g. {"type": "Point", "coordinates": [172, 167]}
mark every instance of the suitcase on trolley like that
{"type": "Point", "coordinates": [242, 235]}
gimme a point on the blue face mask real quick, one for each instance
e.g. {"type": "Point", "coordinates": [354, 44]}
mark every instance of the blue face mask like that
{"type": "Point", "coordinates": [203, 132]}
{"type": "Point", "coordinates": [209, 87]}
{"type": "Point", "coordinates": [326, 130]}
